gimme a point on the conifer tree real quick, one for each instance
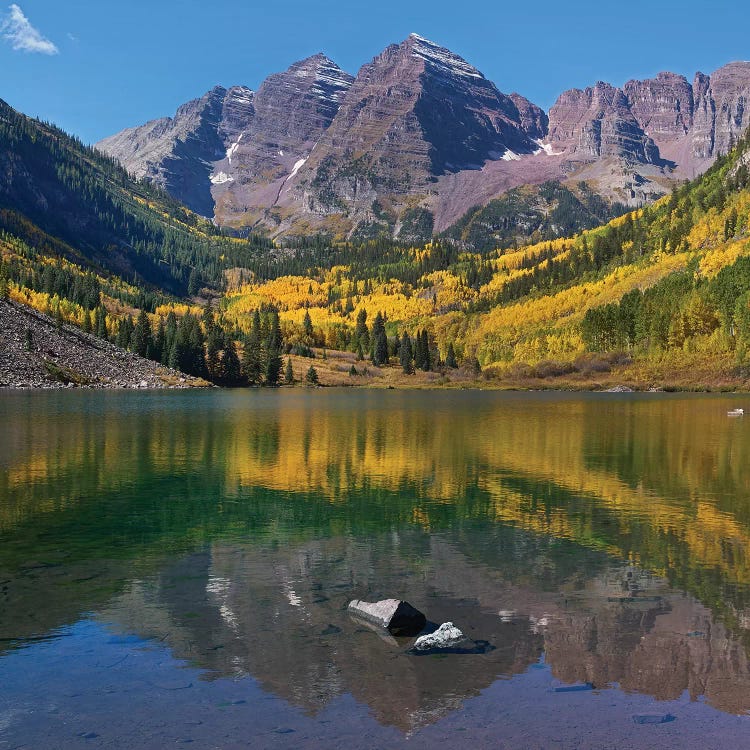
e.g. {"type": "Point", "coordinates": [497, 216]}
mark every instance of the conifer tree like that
{"type": "Point", "coordinates": [100, 322]}
{"type": "Point", "coordinates": [214, 345]}
{"type": "Point", "coordinates": [157, 352]}
{"type": "Point", "coordinates": [273, 350]}
{"type": "Point", "coordinates": [450, 357]}
{"type": "Point", "coordinates": [188, 354]}
{"type": "Point", "coordinates": [311, 378]}
{"type": "Point", "coordinates": [362, 333]}
{"type": "Point", "coordinates": [307, 328]}
{"type": "Point", "coordinates": [229, 365]}
{"type": "Point", "coordinates": [405, 354]}
{"type": "Point", "coordinates": [142, 339]}
{"type": "Point", "coordinates": [124, 332]}
{"type": "Point", "coordinates": [426, 356]}
{"type": "Point", "coordinates": [419, 357]}
{"type": "Point", "coordinates": [380, 341]}
{"type": "Point", "coordinates": [170, 334]}
{"type": "Point", "coordinates": [289, 374]}
{"type": "Point", "coordinates": [252, 361]}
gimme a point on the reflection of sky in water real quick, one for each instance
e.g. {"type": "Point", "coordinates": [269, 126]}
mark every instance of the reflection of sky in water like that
{"type": "Point", "coordinates": [177, 567]}
{"type": "Point", "coordinates": [101, 690]}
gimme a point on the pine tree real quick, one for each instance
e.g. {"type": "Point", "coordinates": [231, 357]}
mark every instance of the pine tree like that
{"type": "Point", "coordinates": [100, 322]}
{"type": "Point", "coordinates": [273, 351]}
{"type": "Point", "coordinates": [311, 378]}
{"type": "Point", "coordinates": [229, 365]}
{"type": "Point", "coordinates": [170, 334]}
{"type": "Point", "coordinates": [405, 354]}
{"type": "Point", "coordinates": [380, 341]}
{"type": "Point", "coordinates": [419, 357]}
{"type": "Point", "coordinates": [307, 327]}
{"type": "Point", "coordinates": [289, 374]}
{"type": "Point", "coordinates": [214, 345]}
{"type": "Point", "coordinates": [124, 332]}
{"type": "Point", "coordinates": [252, 360]}
{"type": "Point", "coordinates": [142, 339]}
{"type": "Point", "coordinates": [193, 286]}
{"type": "Point", "coordinates": [361, 332]}
{"type": "Point", "coordinates": [426, 356]}
{"type": "Point", "coordinates": [188, 354]}
{"type": "Point", "coordinates": [450, 357]}
{"type": "Point", "coordinates": [157, 351]}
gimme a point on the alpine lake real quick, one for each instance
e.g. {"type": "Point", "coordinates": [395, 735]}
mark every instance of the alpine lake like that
{"type": "Point", "coordinates": [175, 569]}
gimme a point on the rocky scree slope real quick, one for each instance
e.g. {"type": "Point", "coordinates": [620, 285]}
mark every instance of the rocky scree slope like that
{"type": "Point", "coordinates": [35, 353]}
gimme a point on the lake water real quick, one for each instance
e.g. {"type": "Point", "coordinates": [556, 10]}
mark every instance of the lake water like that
{"type": "Point", "coordinates": [175, 569]}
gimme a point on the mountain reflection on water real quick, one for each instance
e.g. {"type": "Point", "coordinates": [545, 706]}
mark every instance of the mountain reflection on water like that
{"type": "Point", "coordinates": [604, 535]}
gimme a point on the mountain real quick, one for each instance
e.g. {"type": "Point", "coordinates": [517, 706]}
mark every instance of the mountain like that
{"type": "Point", "coordinates": [650, 129]}
{"type": "Point", "coordinates": [69, 201]}
{"type": "Point", "coordinates": [175, 153]}
{"type": "Point", "coordinates": [232, 149]}
{"type": "Point", "coordinates": [419, 138]}
{"type": "Point", "coordinates": [321, 148]}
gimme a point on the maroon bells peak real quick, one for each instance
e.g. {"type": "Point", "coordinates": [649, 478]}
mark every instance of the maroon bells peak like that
{"type": "Point", "coordinates": [419, 129]}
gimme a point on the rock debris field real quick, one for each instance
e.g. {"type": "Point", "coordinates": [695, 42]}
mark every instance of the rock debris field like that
{"type": "Point", "coordinates": [34, 353]}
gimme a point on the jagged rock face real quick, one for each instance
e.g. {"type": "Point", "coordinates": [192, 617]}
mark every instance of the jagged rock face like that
{"type": "Point", "coordinates": [219, 152]}
{"type": "Point", "coordinates": [663, 118]}
{"type": "Point", "coordinates": [663, 106]}
{"type": "Point", "coordinates": [417, 111]}
{"type": "Point", "coordinates": [420, 129]}
{"type": "Point", "coordinates": [176, 153]}
{"type": "Point", "coordinates": [534, 119]}
{"type": "Point", "coordinates": [721, 113]}
{"type": "Point", "coordinates": [597, 123]}
{"type": "Point", "coordinates": [291, 111]}
{"type": "Point", "coordinates": [237, 111]}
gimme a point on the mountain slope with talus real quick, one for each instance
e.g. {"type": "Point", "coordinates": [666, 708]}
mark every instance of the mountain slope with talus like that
{"type": "Point", "coordinates": [421, 136]}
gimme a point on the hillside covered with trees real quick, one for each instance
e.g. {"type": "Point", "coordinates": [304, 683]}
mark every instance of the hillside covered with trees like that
{"type": "Point", "coordinates": [657, 297]}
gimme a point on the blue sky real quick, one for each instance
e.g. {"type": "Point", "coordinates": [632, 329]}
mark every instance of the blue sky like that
{"type": "Point", "coordinates": [97, 66]}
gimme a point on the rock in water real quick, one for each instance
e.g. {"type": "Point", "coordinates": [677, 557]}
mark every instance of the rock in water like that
{"type": "Point", "coordinates": [447, 636]}
{"type": "Point", "coordinates": [396, 616]}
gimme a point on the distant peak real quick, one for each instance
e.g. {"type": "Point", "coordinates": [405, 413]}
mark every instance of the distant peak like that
{"type": "Point", "coordinates": [440, 58]}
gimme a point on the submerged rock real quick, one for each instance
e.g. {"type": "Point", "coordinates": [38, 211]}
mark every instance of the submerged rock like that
{"type": "Point", "coordinates": [448, 639]}
{"type": "Point", "coordinates": [447, 636]}
{"type": "Point", "coordinates": [653, 718]}
{"type": "Point", "coordinates": [396, 616]}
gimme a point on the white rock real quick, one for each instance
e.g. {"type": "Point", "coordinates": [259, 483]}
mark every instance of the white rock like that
{"type": "Point", "coordinates": [446, 636]}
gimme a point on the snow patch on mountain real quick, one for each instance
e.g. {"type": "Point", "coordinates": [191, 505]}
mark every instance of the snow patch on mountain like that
{"type": "Point", "coordinates": [233, 148]}
{"type": "Point", "coordinates": [297, 165]}
{"type": "Point", "coordinates": [441, 58]}
{"type": "Point", "coordinates": [220, 178]}
{"type": "Point", "coordinates": [547, 148]}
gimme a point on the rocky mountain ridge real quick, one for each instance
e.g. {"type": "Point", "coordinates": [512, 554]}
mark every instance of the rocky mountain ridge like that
{"type": "Point", "coordinates": [419, 129]}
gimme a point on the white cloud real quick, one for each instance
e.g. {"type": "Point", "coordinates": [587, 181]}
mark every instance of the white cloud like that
{"type": "Point", "coordinates": [22, 36]}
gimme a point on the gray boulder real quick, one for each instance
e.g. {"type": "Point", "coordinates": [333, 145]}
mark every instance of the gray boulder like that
{"type": "Point", "coordinates": [396, 616]}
